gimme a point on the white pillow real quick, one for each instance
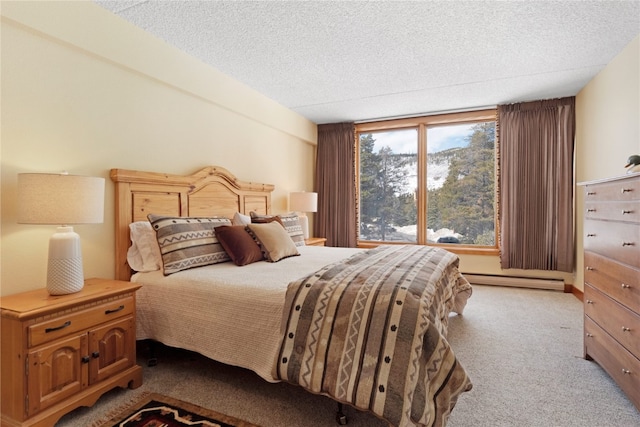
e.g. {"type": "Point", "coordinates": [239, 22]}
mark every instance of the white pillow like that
{"type": "Point", "coordinates": [144, 253]}
{"type": "Point", "coordinates": [240, 219]}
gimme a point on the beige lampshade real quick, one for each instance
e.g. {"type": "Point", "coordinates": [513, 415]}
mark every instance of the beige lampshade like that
{"type": "Point", "coordinates": [303, 201]}
{"type": "Point", "coordinates": [60, 199]}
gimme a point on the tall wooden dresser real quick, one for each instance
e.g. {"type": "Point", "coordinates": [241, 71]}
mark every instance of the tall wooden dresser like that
{"type": "Point", "coordinates": [612, 279]}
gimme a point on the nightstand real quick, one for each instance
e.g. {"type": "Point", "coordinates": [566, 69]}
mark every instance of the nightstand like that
{"type": "Point", "coordinates": [315, 241]}
{"type": "Point", "coordinates": [62, 352]}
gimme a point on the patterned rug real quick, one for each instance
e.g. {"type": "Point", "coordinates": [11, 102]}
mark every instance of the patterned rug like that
{"type": "Point", "coordinates": [155, 410]}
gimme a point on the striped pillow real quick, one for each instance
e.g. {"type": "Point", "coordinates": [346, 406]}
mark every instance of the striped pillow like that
{"type": "Point", "coordinates": [290, 222]}
{"type": "Point", "coordinates": [188, 242]}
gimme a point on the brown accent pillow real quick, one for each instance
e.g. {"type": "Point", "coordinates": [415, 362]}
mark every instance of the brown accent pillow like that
{"type": "Point", "coordinates": [239, 244]}
{"type": "Point", "coordinates": [273, 240]}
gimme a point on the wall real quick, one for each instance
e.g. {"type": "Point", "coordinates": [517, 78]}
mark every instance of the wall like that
{"type": "Point", "coordinates": [85, 91]}
{"type": "Point", "coordinates": [608, 128]}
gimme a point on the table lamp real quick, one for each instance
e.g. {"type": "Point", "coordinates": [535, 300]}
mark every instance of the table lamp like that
{"type": "Point", "coordinates": [61, 199]}
{"type": "Point", "coordinates": [303, 202]}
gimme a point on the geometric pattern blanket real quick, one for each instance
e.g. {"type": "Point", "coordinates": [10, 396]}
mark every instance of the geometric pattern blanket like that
{"type": "Point", "coordinates": [370, 331]}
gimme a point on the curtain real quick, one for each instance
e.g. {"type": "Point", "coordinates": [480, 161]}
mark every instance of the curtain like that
{"type": "Point", "coordinates": [536, 184]}
{"type": "Point", "coordinates": [335, 185]}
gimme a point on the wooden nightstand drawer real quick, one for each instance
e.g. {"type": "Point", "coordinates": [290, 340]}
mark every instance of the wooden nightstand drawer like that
{"type": "Point", "coordinates": [46, 331]}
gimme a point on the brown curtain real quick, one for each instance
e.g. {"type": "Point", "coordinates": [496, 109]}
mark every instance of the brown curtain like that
{"type": "Point", "coordinates": [335, 184]}
{"type": "Point", "coordinates": [536, 184]}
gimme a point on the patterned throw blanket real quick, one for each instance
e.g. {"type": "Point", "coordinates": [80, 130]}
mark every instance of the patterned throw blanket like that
{"type": "Point", "coordinates": [370, 332]}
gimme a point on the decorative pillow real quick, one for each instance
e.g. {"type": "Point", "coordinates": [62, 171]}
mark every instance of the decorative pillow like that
{"type": "Point", "coordinates": [273, 240]}
{"type": "Point", "coordinates": [291, 223]}
{"type": "Point", "coordinates": [188, 242]}
{"type": "Point", "coordinates": [144, 252]}
{"type": "Point", "coordinates": [266, 219]}
{"type": "Point", "coordinates": [239, 244]}
{"type": "Point", "coordinates": [240, 219]}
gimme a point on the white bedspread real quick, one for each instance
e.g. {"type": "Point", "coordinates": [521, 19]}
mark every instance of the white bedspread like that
{"type": "Point", "coordinates": [228, 313]}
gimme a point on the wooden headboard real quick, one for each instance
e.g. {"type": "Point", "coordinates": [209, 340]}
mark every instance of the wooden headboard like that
{"type": "Point", "coordinates": [212, 191]}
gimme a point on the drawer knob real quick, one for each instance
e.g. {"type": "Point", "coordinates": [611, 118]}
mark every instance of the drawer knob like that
{"type": "Point", "coordinates": [115, 310]}
{"type": "Point", "coordinates": [626, 371]}
{"type": "Point", "coordinates": [628, 244]}
{"type": "Point", "coordinates": [95, 354]}
{"type": "Point", "coordinates": [625, 286]}
{"type": "Point", "coordinates": [625, 329]}
{"type": "Point", "coordinates": [57, 328]}
{"type": "Point", "coordinates": [626, 190]}
{"type": "Point", "coordinates": [85, 359]}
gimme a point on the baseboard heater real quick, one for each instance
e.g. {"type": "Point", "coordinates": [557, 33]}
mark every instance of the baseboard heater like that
{"type": "Point", "coordinates": [520, 282]}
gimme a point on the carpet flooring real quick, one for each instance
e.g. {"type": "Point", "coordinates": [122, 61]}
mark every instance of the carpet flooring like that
{"type": "Point", "coordinates": [521, 347]}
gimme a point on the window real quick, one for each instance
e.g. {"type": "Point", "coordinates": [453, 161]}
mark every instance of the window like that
{"type": "Point", "coordinates": [429, 180]}
{"type": "Point", "coordinates": [388, 185]}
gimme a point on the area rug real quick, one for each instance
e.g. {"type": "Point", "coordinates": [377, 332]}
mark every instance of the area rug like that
{"type": "Point", "coordinates": [155, 410]}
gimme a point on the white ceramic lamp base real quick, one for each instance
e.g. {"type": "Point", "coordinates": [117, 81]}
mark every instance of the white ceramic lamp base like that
{"type": "Point", "coordinates": [64, 270]}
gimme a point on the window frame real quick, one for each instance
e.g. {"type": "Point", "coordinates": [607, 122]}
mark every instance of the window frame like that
{"type": "Point", "coordinates": [421, 123]}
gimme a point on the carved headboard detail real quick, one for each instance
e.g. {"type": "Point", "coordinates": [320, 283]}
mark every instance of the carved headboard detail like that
{"type": "Point", "coordinates": [212, 191]}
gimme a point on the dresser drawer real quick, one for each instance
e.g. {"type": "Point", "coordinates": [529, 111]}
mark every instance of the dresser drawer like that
{"type": "Point", "coordinates": [623, 366]}
{"type": "Point", "coordinates": [619, 281]}
{"type": "Point", "coordinates": [628, 211]}
{"type": "Point", "coordinates": [47, 330]}
{"type": "Point", "coordinates": [620, 241]}
{"type": "Point", "coordinates": [623, 189]}
{"type": "Point", "coordinates": [620, 322]}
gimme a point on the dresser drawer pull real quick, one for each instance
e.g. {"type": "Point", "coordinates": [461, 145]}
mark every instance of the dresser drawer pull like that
{"type": "Point", "coordinates": [626, 371]}
{"type": "Point", "coordinates": [625, 286]}
{"type": "Point", "coordinates": [590, 268]}
{"type": "Point", "coordinates": [625, 329]}
{"type": "Point", "coordinates": [115, 310]}
{"type": "Point", "coordinates": [628, 244]}
{"type": "Point", "coordinates": [591, 210]}
{"type": "Point", "coordinates": [589, 301]}
{"type": "Point", "coordinates": [591, 235]}
{"type": "Point", "coordinates": [626, 190]}
{"type": "Point", "coordinates": [57, 328]}
{"type": "Point", "coordinates": [589, 335]}
{"type": "Point", "coordinates": [625, 212]}
{"type": "Point", "coordinates": [591, 193]}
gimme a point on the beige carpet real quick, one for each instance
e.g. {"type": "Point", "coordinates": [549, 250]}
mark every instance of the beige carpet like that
{"type": "Point", "coordinates": [521, 347]}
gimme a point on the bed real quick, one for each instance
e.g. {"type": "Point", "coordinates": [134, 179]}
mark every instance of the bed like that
{"type": "Point", "coordinates": [364, 327]}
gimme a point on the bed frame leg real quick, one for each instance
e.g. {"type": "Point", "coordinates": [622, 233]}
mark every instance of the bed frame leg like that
{"type": "Point", "coordinates": [153, 359]}
{"type": "Point", "coordinates": [341, 418]}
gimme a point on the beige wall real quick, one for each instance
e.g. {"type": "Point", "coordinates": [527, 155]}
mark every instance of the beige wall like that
{"type": "Point", "coordinates": [85, 91]}
{"type": "Point", "coordinates": [608, 128]}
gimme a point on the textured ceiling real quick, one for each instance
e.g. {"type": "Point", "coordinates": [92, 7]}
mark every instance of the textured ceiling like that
{"type": "Point", "coordinates": [335, 61]}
